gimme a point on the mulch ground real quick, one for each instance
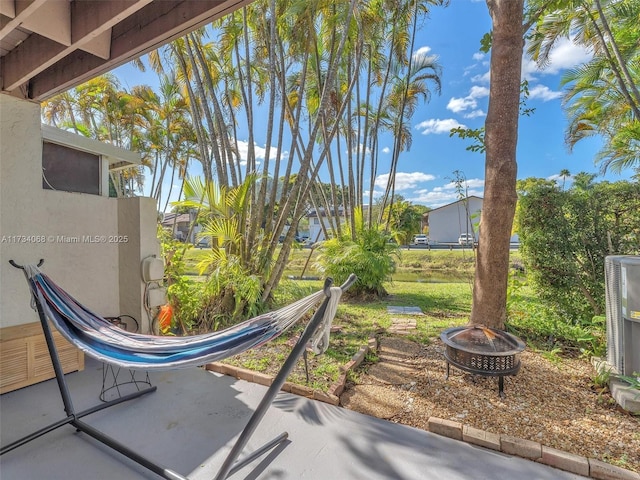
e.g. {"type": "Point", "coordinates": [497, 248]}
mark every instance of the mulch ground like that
{"type": "Point", "coordinates": [550, 402]}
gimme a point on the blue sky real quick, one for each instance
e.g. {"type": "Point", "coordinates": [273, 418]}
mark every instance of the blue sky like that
{"type": "Point", "coordinates": [424, 174]}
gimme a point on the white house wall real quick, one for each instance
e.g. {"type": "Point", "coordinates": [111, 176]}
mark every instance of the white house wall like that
{"type": "Point", "coordinates": [315, 228]}
{"type": "Point", "coordinates": [77, 234]}
{"type": "Point", "coordinates": [448, 222]}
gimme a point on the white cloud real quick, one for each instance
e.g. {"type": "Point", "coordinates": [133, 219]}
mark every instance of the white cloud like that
{"type": "Point", "coordinates": [472, 184]}
{"type": "Point", "coordinates": [422, 51]}
{"type": "Point", "coordinates": [469, 102]}
{"type": "Point", "coordinates": [482, 78]}
{"type": "Point", "coordinates": [447, 193]}
{"type": "Point", "coordinates": [457, 105]}
{"type": "Point", "coordinates": [560, 180]}
{"type": "Point", "coordinates": [438, 126]}
{"type": "Point", "coordinates": [422, 55]}
{"type": "Point", "coordinates": [478, 56]}
{"type": "Point", "coordinates": [357, 151]}
{"type": "Point", "coordinates": [243, 150]}
{"type": "Point", "coordinates": [404, 181]}
{"type": "Point", "coordinates": [386, 150]}
{"type": "Point", "coordinates": [260, 152]}
{"type": "Point", "coordinates": [475, 114]}
{"type": "Point", "coordinates": [478, 91]}
{"type": "Point", "coordinates": [543, 93]}
{"type": "Point", "coordinates": [433, 198]}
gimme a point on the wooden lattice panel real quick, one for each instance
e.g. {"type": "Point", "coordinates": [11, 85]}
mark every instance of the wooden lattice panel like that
{"type": "Point", "coordinates": [25, 360]}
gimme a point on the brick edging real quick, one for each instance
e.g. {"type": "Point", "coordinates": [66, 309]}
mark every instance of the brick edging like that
{"type": "Point", "coordinates": [332, 396]}
{"type": "Point", "coordinates": [587, 467]}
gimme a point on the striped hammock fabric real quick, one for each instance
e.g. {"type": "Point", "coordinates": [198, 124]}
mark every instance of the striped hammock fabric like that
{"type": "Point", "coordinates": [102, 340]}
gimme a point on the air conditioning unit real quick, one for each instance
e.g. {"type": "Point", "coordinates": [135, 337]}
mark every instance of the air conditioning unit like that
{"type": "Point", "coordinates": [622, 288]}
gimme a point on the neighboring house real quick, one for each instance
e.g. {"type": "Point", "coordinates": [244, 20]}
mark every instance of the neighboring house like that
{"type": "Point", "coordinates": [446, 223]}
{"type": "Point", "coordinates": [179, 225]}
{"type": "Point", "coordinates": [320, 217]}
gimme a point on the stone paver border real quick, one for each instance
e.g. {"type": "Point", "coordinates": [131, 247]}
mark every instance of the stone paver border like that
{"type": "Point", "coordinates": [587, 467]}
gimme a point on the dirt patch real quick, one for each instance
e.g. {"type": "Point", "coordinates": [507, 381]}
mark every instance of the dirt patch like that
{"type": "Point", "coordinates": [548, 402]}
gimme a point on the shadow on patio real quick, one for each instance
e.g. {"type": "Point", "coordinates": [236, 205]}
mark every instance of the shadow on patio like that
{"type": "Point", "coordinates": [190, 422]}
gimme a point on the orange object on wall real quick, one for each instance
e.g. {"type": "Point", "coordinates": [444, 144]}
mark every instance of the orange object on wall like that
{"type": "Point", "coordinates": [165, 315]}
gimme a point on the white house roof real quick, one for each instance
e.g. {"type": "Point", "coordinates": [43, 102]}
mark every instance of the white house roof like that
{"type": "Point", "coordinates": [170, 218]}
{"type": "Point", "coordinates": [49, 46]}
{"type": "Point", "coordinates": [117, 157]}
{"type": "Point", "coordinates": [453, 203]}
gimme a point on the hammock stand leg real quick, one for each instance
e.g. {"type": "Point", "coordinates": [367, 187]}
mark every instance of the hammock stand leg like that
{"type": "Point", "coordinates": [229, 467]}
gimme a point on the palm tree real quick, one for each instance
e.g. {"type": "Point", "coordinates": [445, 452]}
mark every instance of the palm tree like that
{"type": "Point", "coordinates": [602, 96]}
{"type": "Point", "coordinates": [103, 110]}
{"type": "Point", "coordinates": [403, 101]}
{"type": "Point", "coordinates": [564, 173]}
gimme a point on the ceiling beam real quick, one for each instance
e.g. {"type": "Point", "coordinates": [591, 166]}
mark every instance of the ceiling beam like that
{"type": "Point", "coordinates": [90, 20]}
{"type": "Point", "coordinates": [145, 30]}
{"type": "Point", "coordinates": [100, 45]}
{"type": "Point", "coordinates": [53, 21]}
{"type": "Point", "coordinates": [8, 8]}
{"type": "Point", "coordinates": [23, 9]}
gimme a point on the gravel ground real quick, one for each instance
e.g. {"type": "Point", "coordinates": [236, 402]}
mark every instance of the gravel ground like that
{"type": "Point", "coordinates": [552, 403]}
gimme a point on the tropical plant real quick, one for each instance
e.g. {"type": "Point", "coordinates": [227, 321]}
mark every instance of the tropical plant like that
{"type": "Point", "coordinates": [184, 296]}
{"type": "Point", "coordinates": [368, 254]}
{"type": "Point", "coordinates": [231, 291]}
{"type": "Point", "coordinates": [404, 219]}
{"type": "Point", "coordinates": [602, 96]}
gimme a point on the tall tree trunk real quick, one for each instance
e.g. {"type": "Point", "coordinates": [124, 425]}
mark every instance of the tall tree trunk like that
{"type": "Point", "coordinates": [501, 138]}
{"type": "Point", "coordinates": [202, 100]}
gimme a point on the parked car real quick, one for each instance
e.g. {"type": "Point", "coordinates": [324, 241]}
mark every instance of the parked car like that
{"type": "Point", "coordinates": [420, 239]}
{"type": "Point", "coordinates": [466, 239]}
{"type": "Point", "coordinates": [203, 243]}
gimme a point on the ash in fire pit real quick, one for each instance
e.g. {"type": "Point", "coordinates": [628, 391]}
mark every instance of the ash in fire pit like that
{"type": "Point", "coordinates": [483, 351]}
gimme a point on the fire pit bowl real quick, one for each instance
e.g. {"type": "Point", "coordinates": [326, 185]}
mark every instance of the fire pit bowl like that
{"type": "Point", "coordinates": [483, 351]}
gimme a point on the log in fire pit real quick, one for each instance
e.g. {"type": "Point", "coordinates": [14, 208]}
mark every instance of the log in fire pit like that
{"type": "Point", "coordinates": [483, 351]}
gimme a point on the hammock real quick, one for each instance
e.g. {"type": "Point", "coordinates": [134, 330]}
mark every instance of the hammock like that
{"type": "Point", "coordinates": [101, 339]}
{"type": "Point", "coordinates": [108, 343]}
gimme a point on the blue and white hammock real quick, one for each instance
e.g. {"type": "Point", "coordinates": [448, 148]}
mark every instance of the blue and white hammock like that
{"type": "Point", "coordinates": [102, 340]}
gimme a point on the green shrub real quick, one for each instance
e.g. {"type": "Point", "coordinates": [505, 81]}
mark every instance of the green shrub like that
{"type": "Point", "coordinates": [370, 256]}
{"type": "Point", "coordinates": [532, 319]}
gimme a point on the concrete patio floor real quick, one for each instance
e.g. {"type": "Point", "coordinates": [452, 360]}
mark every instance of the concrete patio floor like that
{"type": "Point", "coordinates": [189, 424]}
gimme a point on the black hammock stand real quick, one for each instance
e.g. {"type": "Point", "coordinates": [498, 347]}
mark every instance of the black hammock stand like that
{"type": "Point", "coordinates": [231, 464]}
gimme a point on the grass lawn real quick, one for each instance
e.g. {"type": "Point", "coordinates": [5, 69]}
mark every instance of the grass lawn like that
{"type": "Point", "coordinates": [439, 282]}
{"type": "Point", "coordinates": [443, 304]}
{"type": "Point", "coordinates": [413, 266]}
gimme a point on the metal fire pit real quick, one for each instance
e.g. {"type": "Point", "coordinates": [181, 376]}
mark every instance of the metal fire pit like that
{"type": "Point", "coordinates": [483, 351]}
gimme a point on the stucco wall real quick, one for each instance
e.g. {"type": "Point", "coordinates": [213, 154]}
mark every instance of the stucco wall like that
{"type": "Point", "coordinates": [448, 222]}
{"type": "Point", "coordinates": [77, 234]}
{"type": "Point", "coordinates": [137, 220]}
